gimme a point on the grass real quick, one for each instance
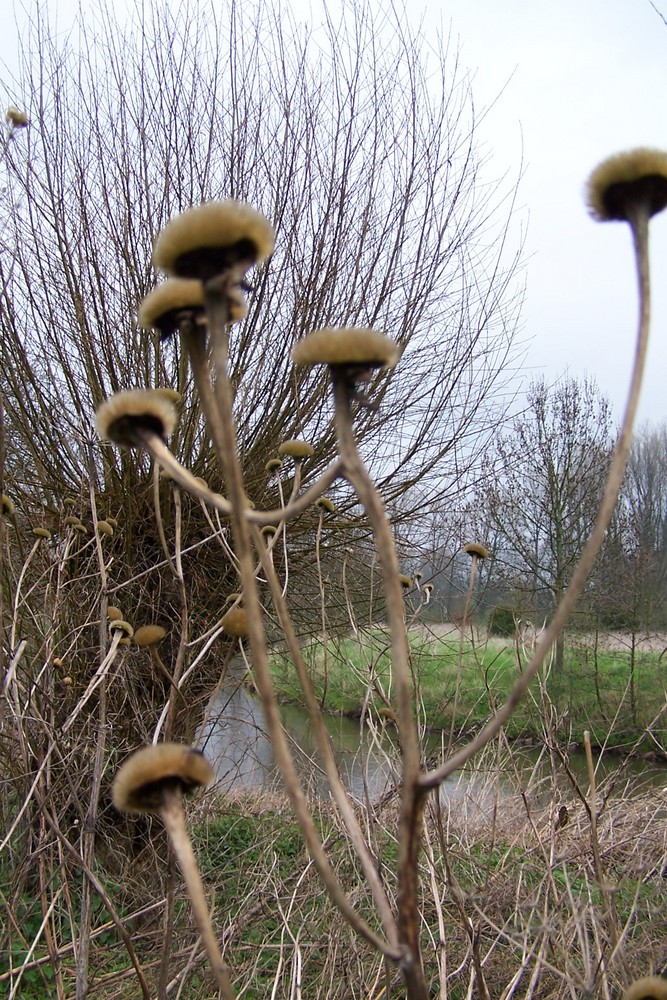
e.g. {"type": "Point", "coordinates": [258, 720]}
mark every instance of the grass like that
{"type": "Point", "coordinates": [597, 691]}
{"type": "Point", "coordinates": [280, 930]}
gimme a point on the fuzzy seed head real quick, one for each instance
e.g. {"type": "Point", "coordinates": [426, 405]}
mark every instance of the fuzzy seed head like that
{"type": "Point", "coordinates": [235, 623]}
{"type": "Point", "coordinates": [16, 118]}
{"type": "Point", "coordinates": [8, 505]}
{"type": "Point", "coordinates": [114, 614]}
{"type": "Point", "coordinates": [647, 988]}
{"type": "Point", "coordinates": [205, 241]}
{"type": "Point", "coordinates": [113, 521]}
{"type": "Point", "coordinates": [104, 528]}
{"type": "Point", "coordinates": [273, 464]}
{"type": "Point", "coordinates": [164, 308]}
{"type": "Point", "coordinates": [148, 774]}
{"type": "Point", "coordinates": [296, 449]}
{"type": "Point", "coordinates": [626, 181]}
{"type": "Point", "coordinates": [475, 549]}
{"type": "Point", "coordinates": [149, 635]}
{"type": "Point", "coordinates": [345, 347]}
{"type": "Point", "coordinates": [120, 625]}
{"type": "Point", "coordinates": [406, 581]}
{"type": "Point", "coordinates": [81, 528]}
{"type": "Point", "coordinates": [171, 395]}
{"type": "Point", "coordinates": [72, 520]}
{"type": "Point", "coordinates": [122, 416]}
{"type": "Point", "coordinates": [326, 504]}
{"type": "Point", "coordinates": [41, 533]}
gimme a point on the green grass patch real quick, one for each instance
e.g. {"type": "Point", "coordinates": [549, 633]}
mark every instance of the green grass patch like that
{"type": "Point", "coordinates": [610, 693]}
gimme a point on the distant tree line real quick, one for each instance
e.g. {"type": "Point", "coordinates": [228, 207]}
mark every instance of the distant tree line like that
{"type": "Point", "coordinates": [534, 500]}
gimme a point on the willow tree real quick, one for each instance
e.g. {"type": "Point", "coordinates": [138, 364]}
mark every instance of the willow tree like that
{"type": "Point", "coordinates": [354, 138]}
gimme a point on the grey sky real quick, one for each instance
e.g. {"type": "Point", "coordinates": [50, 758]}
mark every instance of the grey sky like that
{"type": "Point", "coordinates": [580, 80]}
{"type": "Point", "coordinates": [587, 78]}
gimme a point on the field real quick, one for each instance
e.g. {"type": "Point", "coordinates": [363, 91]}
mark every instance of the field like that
{"type": "Point", "coordinates": [615, 692]}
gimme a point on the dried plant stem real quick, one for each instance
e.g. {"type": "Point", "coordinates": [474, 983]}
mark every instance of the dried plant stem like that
{"type": "Point", "coordinates": [173, 818]}
{"type": "Point", "coordinates": [99, 889]}
{"type": "Point", "coordinates": [367, 861]}
{"type": "Point", "coordinates": [462, 632]}
{"type": "Point", "coordinates": [435, 777]}
{"type": "Point", "coordinates": [610, 915]}
{"type": "Point", "coordinates": [158, 518]}
{"type": "Point", "coordinates": [188, 482]}
{"type": "Point", "coordinates": [412, 796]}
{"type": "Point", "coordinates": [176, 675]}
{"type": "Point", "coordinates": [88, 833]}
{"type": "Point", "coordinates": [217, 316]}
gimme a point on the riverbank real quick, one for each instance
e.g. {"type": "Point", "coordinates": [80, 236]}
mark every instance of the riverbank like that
{"type": "Point", "coordinates": [616, 692]}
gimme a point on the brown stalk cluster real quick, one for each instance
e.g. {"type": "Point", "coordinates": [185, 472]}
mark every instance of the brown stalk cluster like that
{"type": "Point", "coordinates": [206, 253]}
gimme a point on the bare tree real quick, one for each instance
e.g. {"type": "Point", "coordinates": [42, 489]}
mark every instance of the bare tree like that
{"type": "Point", "coordinates": [543, 492]}
{"type": "Point", "coordinates": [354, 139]}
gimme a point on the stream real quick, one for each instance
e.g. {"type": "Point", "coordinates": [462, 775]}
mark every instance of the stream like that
{"type": "Point", "coordinates": [235, 741]}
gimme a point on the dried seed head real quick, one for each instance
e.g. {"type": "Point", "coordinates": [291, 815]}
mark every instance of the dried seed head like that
{"type": "Point", "coordinates": [72, 520]}
{"type": "Point", "coordinates": [347, 347]}
{"type": "Point", "coordinates": [16, 118]}
{"type": "Point", "coordinates": [647, 988]}
{"type": "Point", "coordinates": [406, 581]}
{"type": "Point", "coordinates": [387, 712]}
{"type": "Point", "coordinates": [81, 528]}
{"type": "Point", "coordinates": [149, 635]}
{"type": "Point", "coordinates": [296, 449]}
{"type": "Point", "coordinates": [172, 395]}
{"type": "Point", "coordinates": [164, 308]}
{"type": "Point", "coordinates": [475, 549]}
{"type": "Point", "coordinates": [120, 625]}
{"type": "Point", "coordinates": [112, 521]}
{"type": "Point", "coordinates": [235, 623]}
{"type": "Point", "coordinates": [7, 505]}
{"type": "Point", "coordinates": [273, 464]}
{"type": "Point", "coordinates": [205, 241]}
{"type": "Point", "coordinates": [624, 182]}
{"type": "Point", "coordinates": [149, 774]}
{"type": "Point", "coordinates": [104, 528]}
{"type": "Point", "coordinates": [41, 533]}
{"type": "Point", "coordinates": [123, 416]}
{"type": "Point", "coordinates": [326, 504]}
{"type": "Point", "coordinates": [114, 614]}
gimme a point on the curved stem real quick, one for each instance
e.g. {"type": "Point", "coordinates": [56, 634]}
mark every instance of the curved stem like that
{"type": "Point", "coordinates": [412, 796]}
{"type": "Point", "coordinates": [161, 453]}
{"type": "Point", "coordinates": [639, 227]}
{"type": "Point", "coordinates": [217, 311]}
{"type": "Point", "coordinates": [338, 791]}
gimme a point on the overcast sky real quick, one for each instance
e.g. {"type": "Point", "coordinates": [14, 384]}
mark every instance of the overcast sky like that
{"type": "Point", "coordinates": [586, 78]}
{"type": "Point", "coordinates": [578, 80]}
